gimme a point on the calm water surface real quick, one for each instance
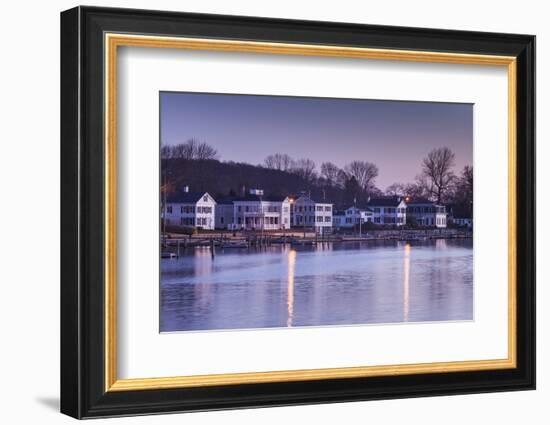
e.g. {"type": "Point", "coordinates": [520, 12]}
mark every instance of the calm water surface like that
{"type": "Point", "coordinates": [330, 284]}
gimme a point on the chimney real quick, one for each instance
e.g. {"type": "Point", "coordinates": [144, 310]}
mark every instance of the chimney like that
{"type": "Point", "coordinates": [186, 189]}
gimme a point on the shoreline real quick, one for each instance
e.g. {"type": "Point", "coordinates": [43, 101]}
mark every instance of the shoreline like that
{"type": "Point", "coordinates": [243, 240]}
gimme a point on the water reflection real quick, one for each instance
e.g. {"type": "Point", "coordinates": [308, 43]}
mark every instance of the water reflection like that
{"type": "Point", "coordinates": [290, 296]}
{"type": "Point", "coordinates": [407, 268]}
{"type": "Point", "coordinates": [326, 284]}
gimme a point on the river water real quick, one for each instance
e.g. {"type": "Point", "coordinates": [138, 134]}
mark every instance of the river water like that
{"type": "Point", "coordinates": [328, 284]}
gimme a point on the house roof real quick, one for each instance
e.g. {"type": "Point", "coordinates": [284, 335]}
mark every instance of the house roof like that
{"type": "Point", "coordinates": [389, 201]}
{"type": "Point", "coordinates": [186, 197]}
{"type": "Point", "coordinates": [309, 198]}
{"type": "Point", "coordinates": [226, 201]}
{"type": "Point", "coordinates": [460, 211]}
{"type": "Point", "coordinates": [421, 201]}
{"type": "Point", "coordinates": [361, 208]}
{"type": "Point", "coordinates": [258, 198]}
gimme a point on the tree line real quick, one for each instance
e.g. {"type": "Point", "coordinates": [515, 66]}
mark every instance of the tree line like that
{"type": "Point", "coordinates": [282, 174]}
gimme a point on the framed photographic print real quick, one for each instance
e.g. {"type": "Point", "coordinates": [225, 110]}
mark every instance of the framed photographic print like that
{"type": "Point", "coordinates": [261, 212]}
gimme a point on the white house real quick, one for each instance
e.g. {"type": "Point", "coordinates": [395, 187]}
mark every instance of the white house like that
{"type": "Point", "coordinates": [460, 215]}
{"type": "Point", "coordinates": [256, 212]}
{"type": "Point", "coordinates": [308, 213]}
{"type": "Point", "coordinates": [427, 213]}
{"type": "Point", "coordinates": [224, 214]}
{"type": "Point", "coordinates": [463, 222]}
{"type": "Point", "coordinates": [341, 221]}
{"type": "Point", "coordinates": [360, 215]}
{"type": "Point", "coordinates": [190, 209]}
{"type": "Point", "coordinates": [390, 211]}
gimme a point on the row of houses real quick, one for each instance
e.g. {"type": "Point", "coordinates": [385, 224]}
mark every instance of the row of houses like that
{"type": "Point", "coordinates": [255, 211]}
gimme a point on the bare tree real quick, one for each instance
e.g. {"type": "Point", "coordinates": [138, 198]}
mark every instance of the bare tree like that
{"type": "Point", "coordinates": [165, 152]}
{"type": "Point", "coordinates": [467, 180]}
{"type": "Point", "coordinates": [204, 151]}
{"type": "Point", "coordinates": [341, 179]}
{"type": "Point", "coordinates": [305, 168]}
{"type": "Point", "coordinates": [329, 172]}
{"type": "Point", "coordinates": [437, 176]}
{"type": "Point", "coordinates": [364, 172]}
{"type": "Point", "coordinates": [185, 150]}
{"type": "Point", "coordinates": [193, 149]}
{"type": "Point", "coordinates": [464, 190]}
{"type": "Point", "coordinates": [395, 189]}
{"type": "Point", "coordinates": [279, 161]}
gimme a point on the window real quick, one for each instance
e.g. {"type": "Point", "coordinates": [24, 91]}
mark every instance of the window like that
{"type": "Point", "coordinates": [221, 219]}
{"type": "Point", "coordinates": [377, 210]}
{"type": "Point", "coordinates": [328, 208]}
{"type": "Point", "coordinates": [319, 208]}
{"type": "Point", "coordinates": [348, 220]}
{"type": "Point", "coordinates": [319, 218]}
{"type": "Point", "coordinates": [327, 219]}
{"type": "Point", "coordinates": [199, 210]}
{"type": "Point", "coordinates": [239, 208]}
{"type": "Point", "coordinates": [285, 209]}
{"type": "Point", "coordinates": [169, 209]}
{"type": "Point", "coordinates": [377, 220]}
{"type": "Point", "coordinates": [205, 198]}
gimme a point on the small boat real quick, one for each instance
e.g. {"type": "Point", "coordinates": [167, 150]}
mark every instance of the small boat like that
{"type": "Point", "coordinates": [302, 242]}
{"type": "Point", "coordinates": [168, 255]}
{"type": "Point", "coordinates": [235, 244]}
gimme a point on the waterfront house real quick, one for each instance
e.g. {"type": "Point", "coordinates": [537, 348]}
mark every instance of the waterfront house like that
{"type": "Point", "coordinates": [190, 209]}
{"type": "Point", "coordinates": [308, 213]}
{"type": "Point", "coordinates": [255, 211]}
{"type": "Point", "coordinates": [340, 220]}
{"type": "Point", "coordinates": [351, 217]}
{"type": "Point", "coordinates": [390, 210]}
{"type": "Point", "coordinates": [426, 213]}
{"type": "Point", "coordinates": [460, 215]}
{"type": "Point", "coordinates": [224, 214]}
{"type": "Point", "coordinates": [359, 215]}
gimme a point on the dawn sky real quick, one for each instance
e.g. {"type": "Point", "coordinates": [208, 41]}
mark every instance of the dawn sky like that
{"type": "Point", "coordinates": [395, 135]}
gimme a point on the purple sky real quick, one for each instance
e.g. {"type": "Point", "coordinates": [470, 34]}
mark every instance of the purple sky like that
{"type": "Point", "coordinates": [395, 135]}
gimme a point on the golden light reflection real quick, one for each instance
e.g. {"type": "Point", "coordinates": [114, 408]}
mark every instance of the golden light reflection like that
{"type": "Point", "coordinates": [406, 274]}
{"type": "Point", "coordinates": [290, 288]}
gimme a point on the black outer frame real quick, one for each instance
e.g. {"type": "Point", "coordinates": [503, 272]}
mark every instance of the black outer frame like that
{"type": "Point", "coordinates": [82, 206]}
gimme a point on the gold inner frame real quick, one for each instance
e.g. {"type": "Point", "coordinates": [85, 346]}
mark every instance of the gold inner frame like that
{"type": "Point", "coordinates": [113, 41]}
